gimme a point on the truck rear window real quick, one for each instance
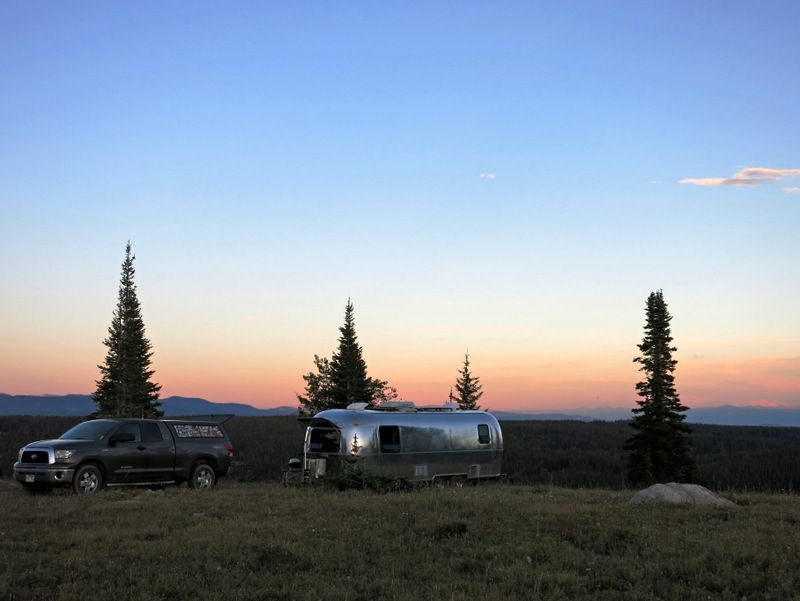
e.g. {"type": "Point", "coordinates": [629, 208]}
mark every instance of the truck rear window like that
{"type": "Point", "coordinates": [198, 431]}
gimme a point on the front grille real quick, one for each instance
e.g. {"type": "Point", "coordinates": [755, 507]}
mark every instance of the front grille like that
{"type": "Point", "coordinates": [38, 456]}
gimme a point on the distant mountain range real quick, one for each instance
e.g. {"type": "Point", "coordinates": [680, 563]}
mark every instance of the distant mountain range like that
{"type": "Point", "coordinates": [80, 405]}
{"type": "Point", "coordinates": [725, 415]}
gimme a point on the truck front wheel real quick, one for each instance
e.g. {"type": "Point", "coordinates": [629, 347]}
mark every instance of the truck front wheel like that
{"type": "Point", "coordinates": [88, 479]}
{"type": "Point", "coordinates": [203, 477]}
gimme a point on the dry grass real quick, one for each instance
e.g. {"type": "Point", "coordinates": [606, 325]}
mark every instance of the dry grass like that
{"type": "Point", "coordinates": [492, 542]}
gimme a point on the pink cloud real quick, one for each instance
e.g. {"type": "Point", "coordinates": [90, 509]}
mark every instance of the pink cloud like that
{"type": "Point", "coordinates": [719, 181]}
{"type": "Point", "coordinates": [748, 176]}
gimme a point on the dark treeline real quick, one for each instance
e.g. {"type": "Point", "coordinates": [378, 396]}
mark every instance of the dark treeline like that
{"type": "Point", "coordinates": [571, 454]}
{"type": "Point", "coordinates": [18, 430]}
{"type": "Point", "coordinates": [581, 454]}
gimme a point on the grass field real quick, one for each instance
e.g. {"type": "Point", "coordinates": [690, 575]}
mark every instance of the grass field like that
{"type": "Point", "coordinates": [490, 542]}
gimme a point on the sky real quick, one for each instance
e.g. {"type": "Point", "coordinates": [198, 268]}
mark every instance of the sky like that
{"type": "Point", "coordinates": [507, 179]}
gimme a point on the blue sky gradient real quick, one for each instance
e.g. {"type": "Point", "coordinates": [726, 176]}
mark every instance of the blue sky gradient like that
{"type": "Point", "coordinates": [510, 178]}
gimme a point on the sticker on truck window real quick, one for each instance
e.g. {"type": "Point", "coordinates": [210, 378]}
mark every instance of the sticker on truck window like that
{"type": "Point", "coordinates": [196, 431]}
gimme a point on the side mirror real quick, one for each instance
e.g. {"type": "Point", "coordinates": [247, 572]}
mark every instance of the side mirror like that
{"type": "Point", "coordinates": [123, 437]}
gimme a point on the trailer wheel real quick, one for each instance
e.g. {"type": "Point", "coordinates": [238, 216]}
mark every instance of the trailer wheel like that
{"type": "Point", "coordinates": [203, 477]}
{"type": "Point", "coordinates": [457, 481]}
{"type": "Point", "coordinates": [88, 479]}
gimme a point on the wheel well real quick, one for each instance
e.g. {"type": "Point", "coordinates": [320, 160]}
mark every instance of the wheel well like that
{"type": "Point", "coordinates": [95, 463]}
{"type": "Point", "coordinates": [206, 461]}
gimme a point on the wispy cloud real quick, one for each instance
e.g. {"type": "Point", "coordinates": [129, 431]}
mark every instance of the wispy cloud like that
{"type": "Point", "coordinates": [488, 175]}
{"type": "Point", "coordinates": [748, 176]}
{"type": "Point", "coordinates": [792, 190]}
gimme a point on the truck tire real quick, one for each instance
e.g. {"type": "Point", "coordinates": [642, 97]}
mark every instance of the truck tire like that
{"type": "Point", "coordinates": [203, 477]}
{"type": "Point", "coordinates": [88, 479]}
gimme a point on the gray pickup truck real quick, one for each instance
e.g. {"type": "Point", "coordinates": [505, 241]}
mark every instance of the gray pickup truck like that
{"type": "Point", "coordinates": [128, 452]}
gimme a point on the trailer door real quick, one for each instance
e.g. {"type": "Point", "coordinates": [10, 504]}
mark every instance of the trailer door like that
{"type": "Point", "coordinates": [323, 440]}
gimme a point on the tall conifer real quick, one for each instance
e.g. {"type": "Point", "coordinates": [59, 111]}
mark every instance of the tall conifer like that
{"type": "Point", "coordinates": [348, 368]}
{"type": "Point", "coordinates": [343, 380]}
{"type": "Point", "coordinates": [125, 389]}
{"type": "Point", "coordinates": [659, 450]}
{"type": "Point", "coordinates": [468, 388]}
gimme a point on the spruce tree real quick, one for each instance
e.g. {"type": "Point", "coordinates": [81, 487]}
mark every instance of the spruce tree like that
{"type": "Point", "coordinates": [659, 450]}
{"type": "Point", "coordinates": [125, 389]}
{"type": "Point", "coordinates": [349, 381]}
{"type": "Point", "coordinates": [343, 380]}
{"type": "Point", "coordinates": [468, 388]}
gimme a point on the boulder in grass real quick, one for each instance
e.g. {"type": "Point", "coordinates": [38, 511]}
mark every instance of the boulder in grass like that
{"type": "Point", "coordinates": [673, 492]}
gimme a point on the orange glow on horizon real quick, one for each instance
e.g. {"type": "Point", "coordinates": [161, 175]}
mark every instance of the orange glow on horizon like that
{"type": "Point", "coordinates": [509, 383]}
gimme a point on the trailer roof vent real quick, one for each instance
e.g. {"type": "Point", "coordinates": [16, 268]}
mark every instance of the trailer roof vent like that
{"type": "Point", "coordinates": [397, 406]}
{"type": "Point", "coordinates": [445, 407]}
{"type": "Point", "coordinates": [357, 406]}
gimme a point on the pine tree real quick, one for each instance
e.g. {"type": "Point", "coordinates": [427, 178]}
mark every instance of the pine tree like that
{"type": "Point", "coordinates": [343, 380]}
{"type": "Point", "coordinates": [318, 389]}
{"type": "Point", "coordinates": [125, 389]}
{"type": "Point", "coordinates": [659, 450]}
{"type": "Point", "coordinates": [468, 388]}
{"type": "Point", "coordinates": [349, 381]}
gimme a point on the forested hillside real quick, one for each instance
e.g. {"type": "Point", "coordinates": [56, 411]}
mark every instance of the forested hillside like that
{"type": "Point", "coordinates": [561, 453]}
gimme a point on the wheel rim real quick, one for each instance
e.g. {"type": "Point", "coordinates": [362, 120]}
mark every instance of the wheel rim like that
{"type": "Point", "coordinates": [88, 482]}
{"type": "Point", "coordinates": [203, 478]}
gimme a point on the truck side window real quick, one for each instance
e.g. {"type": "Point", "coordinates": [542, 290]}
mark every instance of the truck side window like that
{"type": "Point", "coordinates": [483, 434]}
{"type": "Point", "coordinates": [130, 429]}
{"type": "Point", "coordinates": [151, 433]}
{"type": "Point", "coordinates": [389, 439]}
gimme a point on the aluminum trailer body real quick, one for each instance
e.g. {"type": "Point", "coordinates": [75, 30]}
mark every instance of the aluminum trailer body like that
{"type": "Point", "coordinates": [433, 444]}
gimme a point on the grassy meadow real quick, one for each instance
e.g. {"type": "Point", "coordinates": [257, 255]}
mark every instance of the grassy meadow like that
{"type": "Point", "coordinates": [490, 542]}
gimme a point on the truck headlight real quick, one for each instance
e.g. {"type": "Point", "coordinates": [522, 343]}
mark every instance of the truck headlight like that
{"type": "Point", "coordinates": [64, 455]}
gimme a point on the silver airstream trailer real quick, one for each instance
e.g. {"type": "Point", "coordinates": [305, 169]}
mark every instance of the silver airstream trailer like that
{"type": "Point", "coordinates": [434, 444]}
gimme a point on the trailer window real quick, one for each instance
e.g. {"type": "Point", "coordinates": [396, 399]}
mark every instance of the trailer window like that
{"type": "Point", "coordinates": [390, 439]}
{"type": "Point", "coordinates": [483, 434]}
{"type": "Point", "coordinates": [324, 441]}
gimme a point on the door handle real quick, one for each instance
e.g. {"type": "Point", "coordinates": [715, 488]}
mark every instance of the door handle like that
{"type": "Point", "coordinates": [141, 447]}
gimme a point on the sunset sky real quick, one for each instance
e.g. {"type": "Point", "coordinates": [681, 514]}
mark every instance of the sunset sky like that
{"type": "Point", "coordinates": [511, 179]}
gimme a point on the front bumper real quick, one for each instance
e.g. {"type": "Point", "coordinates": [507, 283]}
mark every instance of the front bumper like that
{"type": "Point", "coordinates": [53, 475]}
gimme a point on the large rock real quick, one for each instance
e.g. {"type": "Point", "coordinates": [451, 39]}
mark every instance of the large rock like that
{"type": "Point", "coordinates": [679, 493]}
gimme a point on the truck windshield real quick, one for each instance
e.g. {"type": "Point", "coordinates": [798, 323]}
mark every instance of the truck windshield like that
{"type": "Point", "coordinates": [94, 430]}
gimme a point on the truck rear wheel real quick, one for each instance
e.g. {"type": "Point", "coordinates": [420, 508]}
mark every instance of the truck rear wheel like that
{"type": "Point", "coordinates": [203, 477]}
{"type": "Point", "coordinates": [88, 479]}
